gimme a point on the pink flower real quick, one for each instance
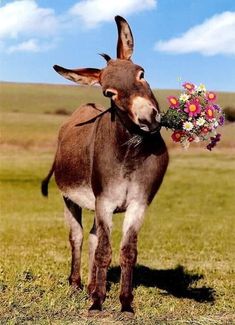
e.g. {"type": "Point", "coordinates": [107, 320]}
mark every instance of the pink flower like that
{"type": "Point", "coordinates": [174, 103]}
{"type": "Point", "coordinates": [210, 112]}
{"type": "Point", "coordinates": [193, 108]}
{"type": "Point", "coordinates": [189, 86]}
{"type": "Point", "coordinates": [211, 96]}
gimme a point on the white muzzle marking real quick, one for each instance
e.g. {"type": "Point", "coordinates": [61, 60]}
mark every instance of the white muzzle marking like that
{"type": "Point", "coordinates": [146, 115]}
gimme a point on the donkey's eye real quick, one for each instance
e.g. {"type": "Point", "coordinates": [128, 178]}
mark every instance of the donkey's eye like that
{"type": "Point", "coordinates": [141, 75]}
{"type": "Point", "coordinates": [109, 93]}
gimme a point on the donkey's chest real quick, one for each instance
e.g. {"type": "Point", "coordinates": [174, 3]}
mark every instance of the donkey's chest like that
{"type": "Point", "coordinates": [120, 193]}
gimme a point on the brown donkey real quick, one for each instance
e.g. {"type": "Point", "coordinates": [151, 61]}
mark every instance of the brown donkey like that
{"type": "Point", "coordinates": [110, 161]}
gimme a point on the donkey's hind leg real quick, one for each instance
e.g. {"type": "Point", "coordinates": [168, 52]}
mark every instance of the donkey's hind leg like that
{"type": "Point", "coordinates": [73, 215]}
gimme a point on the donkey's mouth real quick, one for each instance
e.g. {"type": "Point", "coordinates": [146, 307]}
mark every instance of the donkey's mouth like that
{"type": "Point", "coordinates": [156, 130]}
{"type": "Point", "coordinates": [152, 131]}
{"type": "Point", "coordinates": [144, 128]}
{"type": "Point", "coordinates": [150, 128]}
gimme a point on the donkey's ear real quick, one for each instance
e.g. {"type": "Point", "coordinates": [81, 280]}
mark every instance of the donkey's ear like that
{"type": "Point", "coordinates": [125, 43]}
{"type": "Point", "coordinates": [87, 76]}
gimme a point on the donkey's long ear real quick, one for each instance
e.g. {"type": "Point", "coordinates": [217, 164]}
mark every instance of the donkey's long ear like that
{"type": "Point", "coordinates": [125, 43]}
{"type": "Point", "coordinates": [87, 76]}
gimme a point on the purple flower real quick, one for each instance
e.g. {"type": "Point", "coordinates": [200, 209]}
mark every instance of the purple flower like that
{"type": "Point", "coordinates": [213, 142]}
{"type": "Point", "coordinates": [217, 107]}
{"type": "Point", "coordinates": [209, 146]}
{"type": "Point", "coordinates": [221, 120]}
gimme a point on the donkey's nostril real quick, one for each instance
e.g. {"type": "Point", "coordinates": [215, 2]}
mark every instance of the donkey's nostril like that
{"type": "Point", "coordinates": [143, 121]}
{"type": "Point", "coordinates": [144, 124]}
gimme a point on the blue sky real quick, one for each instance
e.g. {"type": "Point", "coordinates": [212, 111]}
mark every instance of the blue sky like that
{"type": "Point", "coordinates": [191, 40]}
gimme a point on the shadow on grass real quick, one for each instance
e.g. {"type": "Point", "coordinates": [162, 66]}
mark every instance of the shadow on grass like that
{"type": "Point", "coordinates": [177, 282]}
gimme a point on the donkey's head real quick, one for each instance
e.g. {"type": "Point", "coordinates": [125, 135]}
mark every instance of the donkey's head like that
{"type": "Point", "coordinates": [122, 81]}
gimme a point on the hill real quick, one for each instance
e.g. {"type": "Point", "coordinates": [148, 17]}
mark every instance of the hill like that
{"type": "Point", "coordinates": [45, 98]}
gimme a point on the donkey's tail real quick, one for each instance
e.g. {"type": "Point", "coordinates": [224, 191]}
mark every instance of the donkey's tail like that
{"type": "Point", "coordinates": [45, 182]}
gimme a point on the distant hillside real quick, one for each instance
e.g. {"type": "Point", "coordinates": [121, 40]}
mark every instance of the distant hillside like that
{"type": "Point", "coordinates": [48, 98]}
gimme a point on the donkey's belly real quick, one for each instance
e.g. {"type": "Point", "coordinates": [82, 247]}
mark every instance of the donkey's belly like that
{"type": "Point", "coordinates": [82, 196]}
{"type": "Point", "coordinates": [116, 196]}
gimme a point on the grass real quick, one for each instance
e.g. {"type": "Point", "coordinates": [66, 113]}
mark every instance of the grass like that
{"type": "Point", "coordinates": [185, 272]}
{"type": "Point", "coordinates": [47, 98]}
{"type": "Point", "coordinates": [29, 119]}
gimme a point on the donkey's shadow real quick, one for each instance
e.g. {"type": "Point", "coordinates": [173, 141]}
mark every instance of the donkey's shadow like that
{"type": "Point", "coordinates": [177, 282]}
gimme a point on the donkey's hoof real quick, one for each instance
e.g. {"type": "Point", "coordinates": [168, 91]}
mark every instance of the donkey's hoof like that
{"type": "Point", "coordinates": [127, 309]}
{"type": "Point", "coordinates": [95, 307]}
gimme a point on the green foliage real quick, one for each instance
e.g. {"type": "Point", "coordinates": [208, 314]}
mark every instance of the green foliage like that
{"type": "Point", "coordinates": [173, 119]}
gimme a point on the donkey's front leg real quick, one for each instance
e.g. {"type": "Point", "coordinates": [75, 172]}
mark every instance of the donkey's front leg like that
{"type": "Point", "coordinates": [93, 241]}
{"type": "Point", "coordinates": [103, 252]}
{"type": "Point", "coordinates": [131, 226]}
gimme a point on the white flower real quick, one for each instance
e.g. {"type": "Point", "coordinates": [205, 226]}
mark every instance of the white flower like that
{"type": "Point", "coordinates": [216, 124]}
{"type": "Point", "coordinates": [187, 126]}
{"type": "Point", "coordinates": [201, 88]}
{"type": "Point", "coordinates": [200, 121]}
{"type": "Point", "coordinates": [184, 97]}
{"type": "Point", "coordinates": [196, 139]}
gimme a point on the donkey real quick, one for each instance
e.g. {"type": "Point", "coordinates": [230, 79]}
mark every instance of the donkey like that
{"type": "Point", "coordinates": [110, 161]}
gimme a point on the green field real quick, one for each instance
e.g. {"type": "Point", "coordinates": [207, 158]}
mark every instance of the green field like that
{"type": "Point", "coordinates": [186, 270]}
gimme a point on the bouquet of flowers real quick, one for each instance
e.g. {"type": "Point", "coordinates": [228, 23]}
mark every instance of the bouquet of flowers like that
{"type": "Point", "coordinates": [194, 116]}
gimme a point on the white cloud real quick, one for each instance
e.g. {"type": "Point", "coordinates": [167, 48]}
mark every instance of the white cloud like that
{"type": "Point", "coordinates": [214, 36]}
{"type": "Point", "coordinates": [32, 45]}
{"type": "Point", "coordinates": [23, 26]}
{"type": "Point", "coordinates": [27, 27]}
{"type": "Point", "coordinates": [93, 12]}
{"type": "Point", "coordinates": [25, 18]}
{"type": "Point", "coordinates": [28, 46]}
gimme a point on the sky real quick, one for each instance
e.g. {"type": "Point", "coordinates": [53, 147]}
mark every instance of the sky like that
{"type": "Point", "coordinates": [175, 40]}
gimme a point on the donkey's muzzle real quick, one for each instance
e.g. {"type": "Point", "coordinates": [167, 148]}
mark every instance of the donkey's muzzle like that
{"type": "Point", "coordinates": [151, 126]}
